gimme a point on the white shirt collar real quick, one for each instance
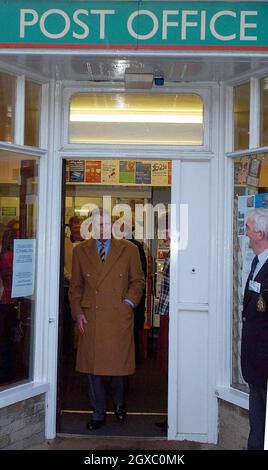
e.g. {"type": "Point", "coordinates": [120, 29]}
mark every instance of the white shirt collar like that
{"type": "Point", "coordinates": [263, 257]}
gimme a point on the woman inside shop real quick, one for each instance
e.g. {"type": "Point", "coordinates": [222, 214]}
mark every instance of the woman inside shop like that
{"type": "Point", "coordinates": [8, 309]}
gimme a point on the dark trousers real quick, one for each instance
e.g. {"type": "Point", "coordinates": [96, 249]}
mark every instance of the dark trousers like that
{"type": "Point", "coordinates": [257, 410]}
{"type": "Point", "coordinates": [162, 343]}
{"type": "Point", "coordinates": [97, 393]}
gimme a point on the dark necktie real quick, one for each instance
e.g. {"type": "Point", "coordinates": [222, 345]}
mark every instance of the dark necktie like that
{"type": "Point", "coordinates": [253, 267]}
{"type": "Point", "coordinates": [102, 253]}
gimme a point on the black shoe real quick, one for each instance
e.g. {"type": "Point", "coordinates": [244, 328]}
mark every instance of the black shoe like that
{"type": "Point", "coordinates": [94, 424]}
{"type": "Point", "coordinates": [120, 413]}
{"type": "Point", "coordinates": [163, 425]}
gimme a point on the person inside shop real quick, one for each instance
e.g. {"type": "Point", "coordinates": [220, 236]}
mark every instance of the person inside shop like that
{"type": "Point", "coordinates": [163, 309]}
{"type": "Point", "coordinates": [8, 309]}
{"type": "Point", "coordinates": [106, 285]}
{"type": "Point", "coordinates": [127, 231]}
{"type": "Point", "coordinates": [139, 311]}
{"type": "Point", "coordinates": [70, 242]}
{"type": "Point", "coordinates": [13, 224]}
{"type": "Point", "coordinates": [68, 331]}
{"type": "Point", "coordinates": [254, 344]}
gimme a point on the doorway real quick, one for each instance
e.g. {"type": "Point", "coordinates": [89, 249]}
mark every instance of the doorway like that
{"type": "Point", "coordinates": [192, 404]}
{"type": "Point", "coordinates": [87, 183]}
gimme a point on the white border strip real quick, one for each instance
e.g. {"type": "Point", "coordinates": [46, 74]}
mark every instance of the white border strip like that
{"type": "Point", "coordinates": [22, 392]}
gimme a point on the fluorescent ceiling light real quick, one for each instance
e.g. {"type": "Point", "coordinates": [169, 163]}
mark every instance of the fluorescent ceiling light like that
{"type": "Point", "coordinates": [139, 118]}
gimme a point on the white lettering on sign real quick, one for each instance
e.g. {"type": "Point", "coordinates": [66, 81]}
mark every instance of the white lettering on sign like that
{"type": "Point", "coordinates": [185, 23]}
{"type": "Point", "coordinates": [83, 25]}
{"type": "Point", "coordinates": [241, 27]}
{"type": "Point", "coordinates": [29, 17]}
{"type": "Point", "coordinates": [166, 23]}
{"type": "Point", "coordinates": [203, 25]}
{"type": "Point", "coordinates": [55, 11]}
{"type": "Point", "coordinates": [142, 36]}
{"type": "Point", "coordinates": [102, 14]}
{"type": "Point", "coordinates": [244, 25]}
{"type": "Point", "coordinates": [213, 22]}
{"type": "Point", "coordinates": [23, 21]}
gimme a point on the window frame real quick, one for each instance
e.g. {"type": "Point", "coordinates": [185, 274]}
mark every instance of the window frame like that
{"type": "Point", "coordinates": [137, 93]}
{"type": "Point", "coordinates": [224, 388]}
{"type": "Point", "coordinates": [38, 384]}
{"type": "Point", "coordinates": [204, 95]}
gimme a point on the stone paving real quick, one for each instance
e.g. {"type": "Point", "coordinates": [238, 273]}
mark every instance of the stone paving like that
{"type": "Point", "coordinates": [113, 443]}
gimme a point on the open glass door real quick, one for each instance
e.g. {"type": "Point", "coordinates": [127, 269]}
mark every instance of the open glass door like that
{"type": "Point", "coordinates": [147, 389]}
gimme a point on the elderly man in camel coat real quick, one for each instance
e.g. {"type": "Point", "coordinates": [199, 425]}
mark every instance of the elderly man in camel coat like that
{"type": "Point", "coordinates": [107, 283]}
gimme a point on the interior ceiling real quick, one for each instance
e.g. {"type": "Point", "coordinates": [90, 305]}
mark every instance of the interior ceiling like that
{"type": "Point", "coordinates": [112, 69]}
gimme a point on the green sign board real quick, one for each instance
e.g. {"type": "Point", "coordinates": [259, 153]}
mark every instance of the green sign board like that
{"type": "Point", "coordinates": [137, 25]}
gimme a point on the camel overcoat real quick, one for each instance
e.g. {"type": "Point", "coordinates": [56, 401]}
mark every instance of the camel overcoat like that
{"type": "Point", "coordinates": [97, 290]}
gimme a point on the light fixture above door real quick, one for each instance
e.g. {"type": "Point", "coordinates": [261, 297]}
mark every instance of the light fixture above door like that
{"type": "Point", "coordinates": [138, 81]}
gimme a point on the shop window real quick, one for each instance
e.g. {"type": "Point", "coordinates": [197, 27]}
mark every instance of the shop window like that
{"type": "Point", "coordinates": [264, 112]}
{"type": "Point", "coordinates": [241, 116]}
{"type": "Point", "coordinates": [131, 118]}
{"type": "Point", "coordinates": [250, 191]}
{"type": "Point", "coordinates": [18, 226]}
{"type": "Point", "coordinates": [32, 113]}
{"type": "Point", "coordinates": [7, 107]}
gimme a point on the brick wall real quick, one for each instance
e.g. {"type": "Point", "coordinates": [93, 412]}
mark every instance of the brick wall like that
{"type": "Point", "coordinates": [22, 424]}
{"type": "Point", "coordinates": [233, 426]}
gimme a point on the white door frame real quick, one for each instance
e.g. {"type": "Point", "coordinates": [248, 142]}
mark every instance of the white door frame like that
{"type": "Point", "coordinates": [59, 150]}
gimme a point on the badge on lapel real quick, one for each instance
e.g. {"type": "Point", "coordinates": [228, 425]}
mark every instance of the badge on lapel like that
{"type": "Point", "coordinates": [261, 306]}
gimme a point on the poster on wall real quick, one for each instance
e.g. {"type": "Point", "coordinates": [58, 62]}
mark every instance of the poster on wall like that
{"type": "Point", "coordinates": [261, 200]}
{"type": "Point", "coordinates": [76, 171]}
{"type": "Point", "coordinates": [110, 172]}
{"type": "Point", "coordinates": [123, 172]}
{"type": "Point", "coordinates": [254, 172]}
{"type": "Point", "coordinates": [23, 268]}
{"type": "Point", "coordinates": [241, 172]}
{"type": "Point", "coordinates": [169, 172]}
{"type": "Point", "coordinates": [93, 171]}
{"type": "Point", "coordinates": [143, 173]}
{"type": "Point", "coordinates": [160, 173]}
{"type": "Point", "coordinates": [67, 173]}
{"type": "Point", "coordinates": [245, 204]}
{"type": "Point", "coordinates": [127, 172]}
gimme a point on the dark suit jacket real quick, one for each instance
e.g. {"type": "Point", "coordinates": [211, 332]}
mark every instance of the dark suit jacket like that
{"type": "Point", "coordinates": [254, 347]}
{"type": "Point", "coordinates": [139, 311]}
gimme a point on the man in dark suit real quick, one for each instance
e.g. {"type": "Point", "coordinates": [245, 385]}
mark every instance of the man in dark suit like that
{"type": "Point", "coordinates": [139, 311]}
{"type": "Point", "coordinates": [254, 347]}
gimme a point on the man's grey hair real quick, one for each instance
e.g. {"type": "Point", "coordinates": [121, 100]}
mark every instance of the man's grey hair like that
{"type": "Point", "coordinates": [259, 218]}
